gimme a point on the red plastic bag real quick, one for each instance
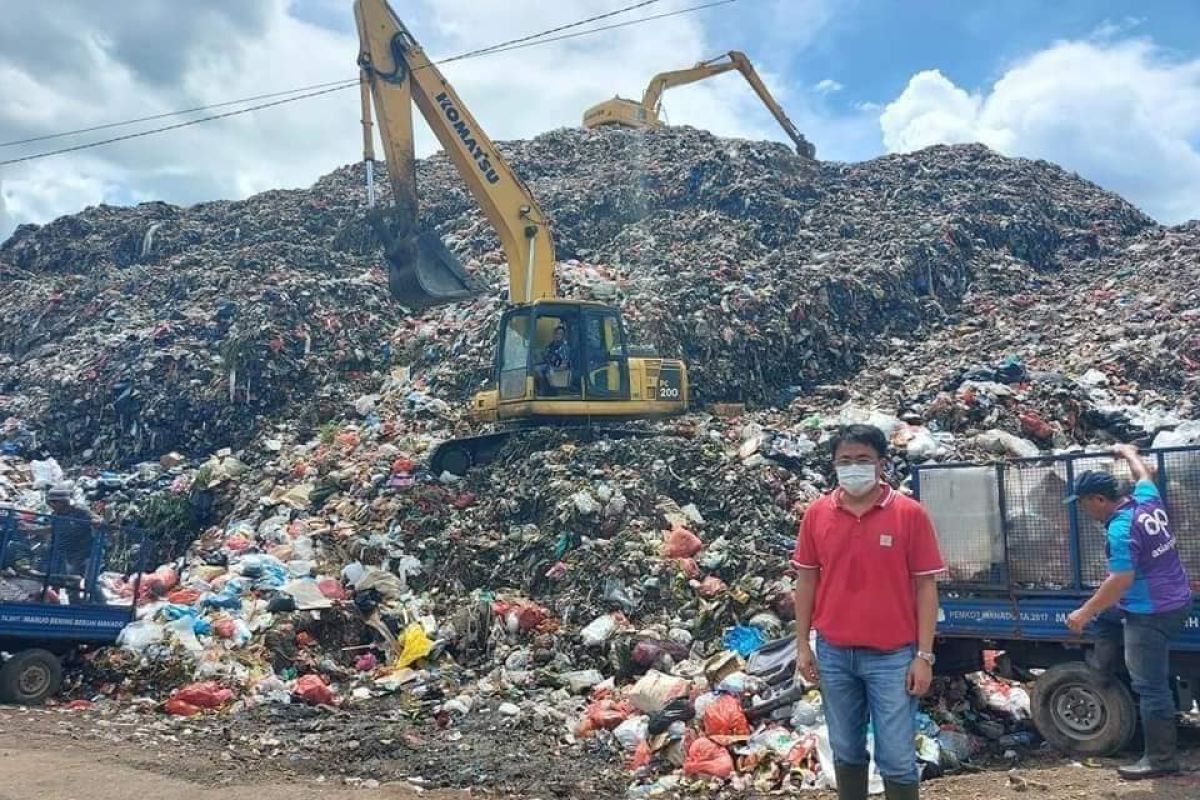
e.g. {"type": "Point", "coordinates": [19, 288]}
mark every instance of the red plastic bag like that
{"type": "Point", "coordinates": [178, 708]}
{"type": "Point", "coordinates": [607, 714]}
{"type": "Point", "coordinates": [706, 757]}
{"type": "Point", "coordinates": [313, 690]}
{"type": "Point", "coordinates": [711, 587]}
{"type": "Point", "coordinates": [184, 597]}
{"type": "Point", "coordinates": [206, 694]}
{"type": "Point", "coordinates": [332, 589]}
{"type": "Point", "coordinates": [724, 717]}
{"type": "Point", "coordinates": [640, 757]}
{"type": "Point", "coordinates": [681, 543]}
{"type": "Point", "coordinates": [225, 628]}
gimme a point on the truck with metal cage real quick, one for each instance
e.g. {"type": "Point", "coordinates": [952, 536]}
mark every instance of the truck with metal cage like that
{"type": "Point", "coordinates": [1021, 559]}
{"type": "Point", "coordinates": [52, 606]}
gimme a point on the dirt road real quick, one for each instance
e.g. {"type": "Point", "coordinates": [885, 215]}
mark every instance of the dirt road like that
{"type": "Point", "coordinates": [70, 756]}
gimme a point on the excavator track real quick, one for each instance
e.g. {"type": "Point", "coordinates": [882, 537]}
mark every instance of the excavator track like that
{"type": "Point", "coordinates": [458, 456]}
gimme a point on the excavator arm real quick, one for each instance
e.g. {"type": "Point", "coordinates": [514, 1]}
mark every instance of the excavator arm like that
{"type": "Point", "coordinates": [396, 73]}
{"type": "Point", "coordinates": [803, 146]}
{"type": "Point", "coordinates": [733, 60]}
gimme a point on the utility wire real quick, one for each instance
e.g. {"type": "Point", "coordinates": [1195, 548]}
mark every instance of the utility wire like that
{"type": "Point", "coordinates": [507, 45]}
{"type": "Point", "coordinates": [315, 86]}
{"type": "Point", "coordinates": [177, 126]}
{"type": "Point", "coordinates": [504, 47]}
{"type": "Point", "coordinates": [166, 114]}
{"type": "Point", "coordinates": [614, 26]}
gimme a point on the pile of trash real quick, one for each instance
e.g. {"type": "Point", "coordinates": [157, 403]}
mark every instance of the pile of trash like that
{"type": "Point", "coordinates": [134, 331]}
{"type": "Point", "coordinates": [243, 361]}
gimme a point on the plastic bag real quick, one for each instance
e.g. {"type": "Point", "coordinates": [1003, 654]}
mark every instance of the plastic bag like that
{"type": "Point", "coordinates": [178, 708]}
{"type": "Point", "coordinates": [311, 689]}
{"type": "Point", "coordinates": [655, 689]}
{"type": "Point", "coordinates": [598, 631]}
{"type": "Point", "coordinates": [414, 645]}
{"type": "Point", "coordinates": [724, 717]}
{"type": "Point", "coordinates": [139, 635]}
{"type": "Point", "coordinates": [681, 543]}
{"type": "Point", "coordinates": [206, 694]}
{"type": "Point", "coordinates": [706, 757]}
{"type": "Point", "coordinates": [744, 640]}
{"type": "Point", "coordinates": [641, 756]}
{"type": "Point", "coordinates": [607, 714]}
{"type": "Point", "coordinates": [45, 473]}
{"type": "Point", "coordinates": [631, 733]}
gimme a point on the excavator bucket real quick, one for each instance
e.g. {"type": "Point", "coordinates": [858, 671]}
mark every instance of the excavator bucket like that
{"type": "Point", "coordinates": [422, 273]}
{"type": "Point", "coordinates": [429, 276]}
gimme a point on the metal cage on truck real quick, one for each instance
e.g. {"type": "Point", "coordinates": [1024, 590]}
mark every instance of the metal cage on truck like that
{"type": "Point", "coordinates": [52, 600]}
{"type": "Point", "coordinates": [1020, 560]}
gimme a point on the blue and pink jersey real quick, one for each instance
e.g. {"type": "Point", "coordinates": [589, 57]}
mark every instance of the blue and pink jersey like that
{"type": "Point", "coordinates": [1140, 541]}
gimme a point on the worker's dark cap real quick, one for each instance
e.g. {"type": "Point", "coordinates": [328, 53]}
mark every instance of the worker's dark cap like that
{"type": "Point", "coordinates": [1090, 482]}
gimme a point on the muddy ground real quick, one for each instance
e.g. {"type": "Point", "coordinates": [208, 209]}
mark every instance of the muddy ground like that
{"type": "Point", "coordinates": [297, 752]}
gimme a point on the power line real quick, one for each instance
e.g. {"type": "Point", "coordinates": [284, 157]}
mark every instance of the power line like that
{"type": "Point", "coordinates": [177, 126]}
{"type": "Point", "coordinates": [504, 47]}
{"type": "Point", "coordinates": [166, 114]}
{"type": "Point", "coordinates": [613, 26]}
{"type": "Point", "coordinates": [315, 86]}
{"type": "Point", "coordinates": [507, 45]}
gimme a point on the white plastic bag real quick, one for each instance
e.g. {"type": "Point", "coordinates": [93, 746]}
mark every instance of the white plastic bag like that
{"type": "Point", "coordinates": [45, 473]}
{"type": "Point", "coordinates": [140, 634]}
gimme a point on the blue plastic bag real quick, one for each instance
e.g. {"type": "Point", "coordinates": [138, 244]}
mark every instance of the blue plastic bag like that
{"type": "Point", "coordinates": [744, 639]}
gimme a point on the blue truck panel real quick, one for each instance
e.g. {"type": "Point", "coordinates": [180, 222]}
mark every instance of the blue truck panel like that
{"type": "Point", "coordinates": [1030, 619]}
{"type": "Point", "coordinates": [90, 624]}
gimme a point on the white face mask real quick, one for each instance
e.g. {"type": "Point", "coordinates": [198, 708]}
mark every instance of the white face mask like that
{"type": "Point", "coordinates": [857, 479]}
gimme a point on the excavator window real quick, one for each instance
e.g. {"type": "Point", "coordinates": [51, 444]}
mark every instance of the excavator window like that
{"type": "Point", "coordinates": [514, 356]}
{"type": "Point", "coordinates": [607, 358]}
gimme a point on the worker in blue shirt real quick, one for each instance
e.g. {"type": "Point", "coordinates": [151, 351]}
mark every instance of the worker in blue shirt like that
{"type": "Point", "coordinates": [1142, 605]}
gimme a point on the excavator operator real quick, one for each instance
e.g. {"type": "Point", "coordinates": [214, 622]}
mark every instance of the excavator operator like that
{"type": "Point", "coordinates": [554, 372]}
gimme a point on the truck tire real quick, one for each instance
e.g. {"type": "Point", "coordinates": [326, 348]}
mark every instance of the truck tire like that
{"type": "Point", "coordinates": [1079, 710]}
{"type": "Point", "coordinates": [29, 677]}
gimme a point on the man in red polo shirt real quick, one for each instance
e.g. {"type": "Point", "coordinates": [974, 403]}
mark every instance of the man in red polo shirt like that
{"type": "Point", "coordinates": [867, 560]}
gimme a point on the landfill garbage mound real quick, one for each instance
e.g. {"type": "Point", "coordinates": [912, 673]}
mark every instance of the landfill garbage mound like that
{"type": "Point", "coordinates": [131, 332]}
{"type": "Point", "coordinates": [627, 600]}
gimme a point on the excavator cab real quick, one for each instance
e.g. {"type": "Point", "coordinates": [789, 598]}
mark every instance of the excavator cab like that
{"type": "Point", "coordinates": [560, 352]}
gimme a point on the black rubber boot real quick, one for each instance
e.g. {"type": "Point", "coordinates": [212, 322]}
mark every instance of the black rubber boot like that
{"type": "Point", "coordinates": [901, 791]}
{"type": "Point", "coordinates": [852, 781]}
{"type": "Point", "coordinates": [1161, 758]}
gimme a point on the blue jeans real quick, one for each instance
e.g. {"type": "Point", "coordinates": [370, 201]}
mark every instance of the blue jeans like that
{"type": "Point", "coordinates": [1147, 643]}
{"type": "Point", "coordinates": [861, 687]}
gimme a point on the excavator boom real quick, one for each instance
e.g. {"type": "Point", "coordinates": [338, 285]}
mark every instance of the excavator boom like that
{"type": "Point", "coordinates": [422, 272]}
{"type": "Point", "coordinates": [647, 114]}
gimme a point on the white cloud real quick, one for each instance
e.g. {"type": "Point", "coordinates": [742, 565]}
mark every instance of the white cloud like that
{"type": "Point", "coordinates": [1120, 113]}
{"type": "Point", "coordinates": [828, 86]}
{"type": "Point", "coordinates": [143, 57]}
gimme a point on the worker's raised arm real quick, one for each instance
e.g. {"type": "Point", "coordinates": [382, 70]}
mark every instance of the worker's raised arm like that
{"type": "Point", "coordinates": [1140, 469]}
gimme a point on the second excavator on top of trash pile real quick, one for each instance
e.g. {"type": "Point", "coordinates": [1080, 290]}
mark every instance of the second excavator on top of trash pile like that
{"type": "Point", "coordinates": [628, 113]}
{"type": "Point", "coordinates": [558, 360]}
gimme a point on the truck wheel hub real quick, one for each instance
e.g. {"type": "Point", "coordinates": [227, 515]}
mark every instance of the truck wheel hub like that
{"type": "Point", "coordinates": [1079, 709]}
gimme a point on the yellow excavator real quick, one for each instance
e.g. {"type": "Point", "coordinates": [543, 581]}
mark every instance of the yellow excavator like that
{"type": "Point", "coordinates": [557, 360]}
{"type": "Point", "coordinates": [647, 114]}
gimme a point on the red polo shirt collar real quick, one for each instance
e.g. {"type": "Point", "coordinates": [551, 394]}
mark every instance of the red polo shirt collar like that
{"type": "Point", "coordinates": [883, 501]}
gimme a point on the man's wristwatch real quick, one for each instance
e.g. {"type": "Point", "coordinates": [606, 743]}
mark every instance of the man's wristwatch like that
{"type": "Point", "coordinates": [928, 658]}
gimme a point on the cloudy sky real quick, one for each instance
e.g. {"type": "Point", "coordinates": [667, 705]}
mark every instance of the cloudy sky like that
{"type": "Point", "coordinates": [1109, 89]}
